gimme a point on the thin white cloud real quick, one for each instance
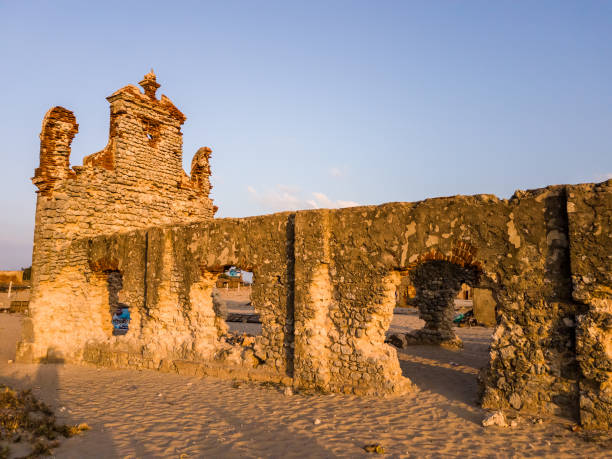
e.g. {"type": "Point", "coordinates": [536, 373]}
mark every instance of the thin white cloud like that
{"type": "Point", "coordinates": [321, 200]}
{"type": "Point", "coordinates": [284, 197]}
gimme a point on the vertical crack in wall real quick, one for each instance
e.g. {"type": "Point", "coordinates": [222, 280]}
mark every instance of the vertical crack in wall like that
{"type": "Point", "coordinates": [289, 338]}
{"type": "Point", "coordinates": [145, 307]}
{"type": "Point", "coordinates": [558, 268]}
{"type": "Point", "coordinates": [562, 335]}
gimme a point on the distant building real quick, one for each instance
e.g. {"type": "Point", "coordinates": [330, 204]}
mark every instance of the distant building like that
{"type": "Point", "coordinates": [232, 278]}
{"type": "Point", "coordinates": [15, 290]}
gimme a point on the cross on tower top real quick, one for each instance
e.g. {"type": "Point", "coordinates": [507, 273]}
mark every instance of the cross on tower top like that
{"type": "Point", "coordinates": [149, 84]}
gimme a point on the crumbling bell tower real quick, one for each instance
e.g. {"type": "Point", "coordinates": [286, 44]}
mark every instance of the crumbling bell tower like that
{"type": "Point", "coordinates": [136, 181]}
{"type": "Point", "coordinates": [145, 140]}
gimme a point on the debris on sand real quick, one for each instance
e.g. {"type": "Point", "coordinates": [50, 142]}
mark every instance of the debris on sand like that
{"type": "Point", "coordinates": [497, 419]}
{"type": "Point", "coordinates": [374, 448]}
{"type": "Point", "coordinates": [24, 419]}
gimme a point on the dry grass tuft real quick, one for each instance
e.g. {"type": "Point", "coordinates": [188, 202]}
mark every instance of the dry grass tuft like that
{"type": "Point", "coordinates": [23, 418]}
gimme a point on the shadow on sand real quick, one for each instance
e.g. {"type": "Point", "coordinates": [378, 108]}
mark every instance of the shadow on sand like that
{"type": "Point", "coordinates": [45, 382]}
{"type": "Point", "coordinates": [451, 374]}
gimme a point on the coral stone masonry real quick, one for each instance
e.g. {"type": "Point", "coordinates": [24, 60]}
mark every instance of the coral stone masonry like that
{"type": "Point", "coordinates": [136, 181]}
{"type": "Point", "coordinates": [130, 230]}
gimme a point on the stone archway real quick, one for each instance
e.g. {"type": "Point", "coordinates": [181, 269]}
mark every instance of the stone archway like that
{"type": "Point", "coordinates": [437, 283]}
{"type": "Point", "coordinates": [437, 279]}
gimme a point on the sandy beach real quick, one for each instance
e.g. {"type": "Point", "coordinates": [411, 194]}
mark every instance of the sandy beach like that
{"type": "Point", "coordinates": [147, 414]}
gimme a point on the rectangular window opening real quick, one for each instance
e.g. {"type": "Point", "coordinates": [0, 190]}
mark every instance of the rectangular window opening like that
{"type": "Point", "coordinates": [232, 301]}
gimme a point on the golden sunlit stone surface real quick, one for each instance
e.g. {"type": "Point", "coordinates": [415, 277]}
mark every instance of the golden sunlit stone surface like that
{"type": "Point", "coordinates": [130, 227]}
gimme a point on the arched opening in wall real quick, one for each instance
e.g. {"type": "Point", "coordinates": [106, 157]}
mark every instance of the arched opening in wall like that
{"type": "Point", "coordinates": [232, 302]}
{"type": "Point", "coordinates": [441, 290]}
{"type": "Point", "coordinates": [119, 312]}
{"type": "Point", "coordinates": [441, 346]}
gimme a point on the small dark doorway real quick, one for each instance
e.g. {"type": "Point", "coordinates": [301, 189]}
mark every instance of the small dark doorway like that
{"type": "Point", "coordinates": [120, 312]}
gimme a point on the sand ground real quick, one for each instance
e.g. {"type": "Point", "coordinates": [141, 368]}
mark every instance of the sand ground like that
{"type": "Point", "coordinates": [147, 414]}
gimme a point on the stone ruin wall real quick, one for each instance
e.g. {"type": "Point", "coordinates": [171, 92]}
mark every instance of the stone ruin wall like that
{"type": "Point", "coordinates": [324, 282]}
{"type": "Point", "coordinates": [136, 181]}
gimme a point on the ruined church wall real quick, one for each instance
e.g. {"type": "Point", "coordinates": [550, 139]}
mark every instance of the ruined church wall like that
{"type": "Point", "coordinates": [370, 248]}
{"type": "Point", "coordinates": [347, 274]}
{"type": "Point", "coordinates": [98, 202]}
{"type": "Point", "coordinates": [136, 181]}
{"type": "Point", "coordinates": [325, 284]}
{"type": "Point", "coordinates": [262, 245]}
{"type": "Point", "coordinates": [131, 228]}
{"type": "Point", "coordinates": [168, 275]}
{"type": "Point", "coordinates": [532, 363]}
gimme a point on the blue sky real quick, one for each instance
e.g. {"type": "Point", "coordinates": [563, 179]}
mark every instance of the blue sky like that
{"type": "Point", "coordinates": [320, 103]}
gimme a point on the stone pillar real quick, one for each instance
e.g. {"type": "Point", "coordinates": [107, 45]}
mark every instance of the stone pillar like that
{"type": "Point", "coordinates": [340, 325]}
{"type": "Point", "coordinates": [437, 283]}
{"type": "Point", "coordinates": [594, 354]}
{"type": "Point", "coordinates": [313, 298]}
